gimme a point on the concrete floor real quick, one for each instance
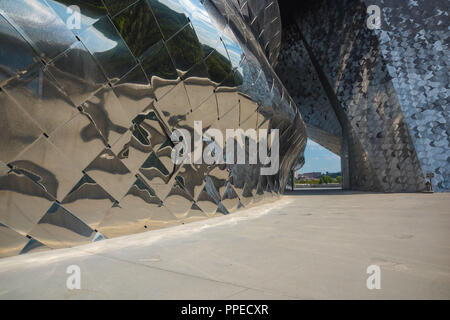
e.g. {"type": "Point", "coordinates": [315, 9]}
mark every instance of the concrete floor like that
{"type": "Point", "coordinates": [308, 245]}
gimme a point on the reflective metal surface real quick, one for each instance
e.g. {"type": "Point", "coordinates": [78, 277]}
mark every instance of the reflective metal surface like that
{"type": "Point", "coordinates": [86, 114]}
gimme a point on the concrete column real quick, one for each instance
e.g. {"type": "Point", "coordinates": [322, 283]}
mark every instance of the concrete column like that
{"type": "Point", "coordinates": [345, 170]}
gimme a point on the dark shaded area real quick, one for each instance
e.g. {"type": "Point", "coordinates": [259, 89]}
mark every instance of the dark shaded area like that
{"type": "Point", "coordinates": [169, 20]}
{"type": "Point", "coordinates": [156, 62]}
{"type": "Point", "coordinates": [185, 49]}
{"type": "Point", "coordinates": [289, 11]}
{"type": "Point", "coordinates": [218, 65]}
{"type": "Point", "coordinates": [115, 6]}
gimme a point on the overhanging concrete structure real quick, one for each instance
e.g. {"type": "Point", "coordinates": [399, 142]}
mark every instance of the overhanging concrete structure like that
{"type": "Point", "coordinates": [383, 93]}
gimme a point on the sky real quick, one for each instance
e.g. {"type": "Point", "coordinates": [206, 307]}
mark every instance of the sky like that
{"type": "Point", "coordinates": [319, 159]}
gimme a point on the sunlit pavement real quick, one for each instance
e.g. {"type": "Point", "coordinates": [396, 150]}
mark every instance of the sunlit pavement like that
{"type": "Point", "coordinates": [308, 245]}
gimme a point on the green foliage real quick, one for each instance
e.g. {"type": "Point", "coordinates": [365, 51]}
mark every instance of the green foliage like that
{"type": "Point", "coordinates": [169, 20]}
{"type": "Point", "coordinates": [156, 62]}
{"type": "Point", "coordinates": [219, 67]}
{"type": "Point", "coordinates": [138, 28]}
{"type": "Point", "coordinates": [326, 179]}
{"type": "Point", "coordinates": [185, 49]}
{"type": "Point", "coordinates": [144, 25]}
{"type": "Point", "coordinates": [313, 181]}
{"type": "Point", "coordinates": [114, 6]}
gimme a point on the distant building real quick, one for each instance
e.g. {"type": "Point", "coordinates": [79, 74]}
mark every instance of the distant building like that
{"type": "Point", "coordinates": [309, 175]}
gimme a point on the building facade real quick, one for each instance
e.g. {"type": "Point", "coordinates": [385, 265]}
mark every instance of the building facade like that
{"type": "Point", "coordinates": [371, 80]}
{"type": "Point", "coordinates": [91, 94]}
{"type": "Point", "coordinates": [92, 91]}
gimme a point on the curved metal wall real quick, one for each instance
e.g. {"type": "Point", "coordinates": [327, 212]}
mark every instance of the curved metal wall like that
{"type": "Point", "coordinates": [263, 18]}
{"type": "Point", "coordinates": [86, 115]}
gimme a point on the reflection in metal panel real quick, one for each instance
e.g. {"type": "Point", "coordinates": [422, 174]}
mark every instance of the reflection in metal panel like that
{"type": "Point", "coordinates": [86, 115]}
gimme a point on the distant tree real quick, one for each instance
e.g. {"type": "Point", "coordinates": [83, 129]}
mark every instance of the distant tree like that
{"type": "Point", "coordinates": [326, 179]}
{"type": "Point", "coordinates": [339, 179]}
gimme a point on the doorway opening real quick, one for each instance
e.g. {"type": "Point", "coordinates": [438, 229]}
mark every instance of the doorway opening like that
{"type": "Point", "coordinates": [322, 169]}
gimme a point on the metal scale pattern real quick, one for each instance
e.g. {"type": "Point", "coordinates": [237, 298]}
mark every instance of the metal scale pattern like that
{"type": "Point", "coordinates": [86, 115]}
{"type": "Point", "coordinates": [379, 97]}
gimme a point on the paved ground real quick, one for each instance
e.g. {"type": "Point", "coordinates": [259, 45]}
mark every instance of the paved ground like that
{"type": "Point", "coordinates": [308, 245]}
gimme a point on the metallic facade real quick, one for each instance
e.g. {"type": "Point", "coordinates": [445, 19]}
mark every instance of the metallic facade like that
{"type": "Point", "coordinates": [86, 114]}
{"type": "Point", "coordinates": [88, 103]}
{"type": "Point", "coordinates": [379, 98]}
{"type": "Point", "coordinates": [263, 18]}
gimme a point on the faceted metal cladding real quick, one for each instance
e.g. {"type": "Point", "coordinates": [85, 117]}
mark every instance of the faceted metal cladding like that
{"type": "Point", "coordinates": [263, 18]}
{"type": "Point", "coordinates": [379, 98]}
{"type": "Point", "coordinates": [86, 114]}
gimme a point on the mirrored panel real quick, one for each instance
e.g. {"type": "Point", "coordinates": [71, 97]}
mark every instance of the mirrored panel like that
{"type": "Point", "coordinates": [45, 22]}
{"type": "Point", "coordinates": [22, 201]}
{"type": "Point", "coordinates": [59, 228]}
{"type": "Point", "coordinates": [39, 95]}
{"type": "Point", "coordinates": [138, 27]}
{"type": "Point", "coordinates": [107, 114]}
{"type": "Point", "coordinates": [88, 201]}
{"type": "Point", "coordinates": [110, 173]}
{"type": "Point", "coordinates": [116, 6]}
{"type": "Point", "coordinates": [109, 49]}
{"type": "Point", "coordinates": [17, 128]}
{"type": "Point", "coordinates": [198, 85]}
{"type": "Point", "coordinates": [11, 243]}
{"type": "Point", "coordinates": [48, 167]}
{"type": "Point", "coordinates": [170, 15]}
{"type": "Point", "coordinates": [134, 91]}
{"type": "Point", "coordinates": [173, 105]}
{"type": "Point", "coordinates": [230, 199]}
{"type": "Point", "coordinates": [185, 49]}
{"type": "Point", "coordinates": [77, 73]}
{"type": "Point", "coordinates": [90, 11]}
{"type": "Point", "coordinates": [79, 140]}
{"type": "Point", "coordinates": [24, 59]}
{"type": "Point", "coordinates": [178, 201]}
{"type": "Point", "coordinates": [34, 246]}
{"type": "Point", "coordinates": [158, 65]}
